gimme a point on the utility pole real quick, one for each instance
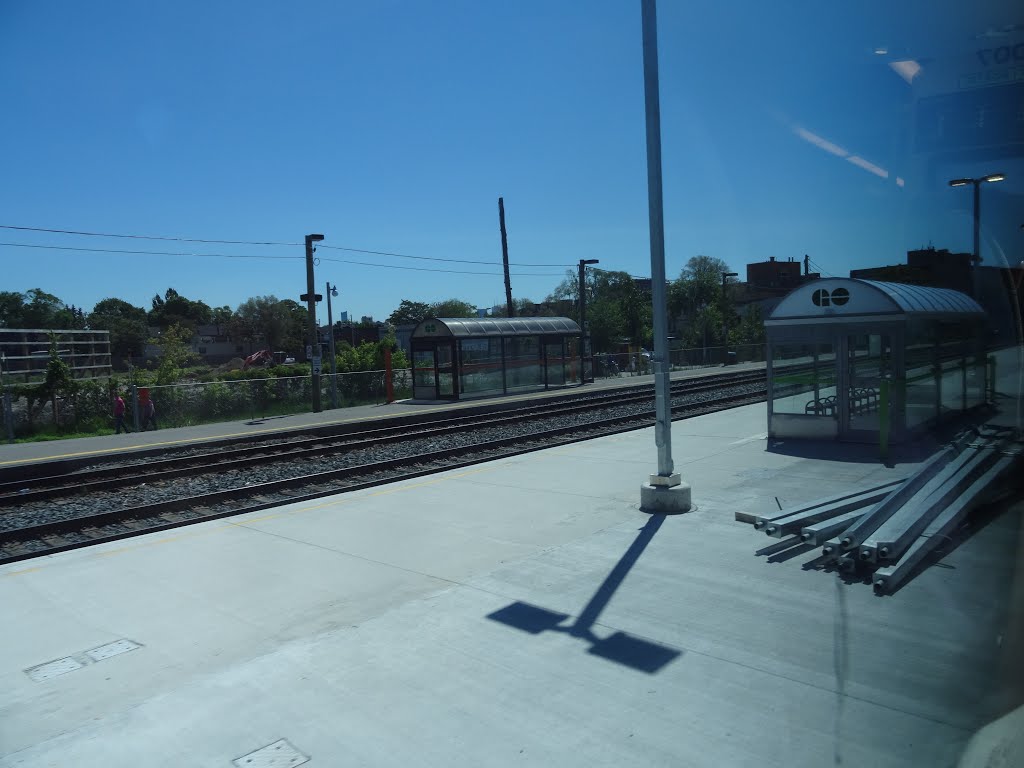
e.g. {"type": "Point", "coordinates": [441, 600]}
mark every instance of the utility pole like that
{"type": "Point", "coordinates": [310, 297]}
{"type": "Point", "coordinates": [504, 257]}
{"type": "Point", "coordinates": [665, 492]}
{"type": "Point", "coordinates": [334, 363]}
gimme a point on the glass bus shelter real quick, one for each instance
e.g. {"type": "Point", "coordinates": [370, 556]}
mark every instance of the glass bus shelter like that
{"type": "Point", "coordinates": [471, 357]}
{"type": "Point", "coordinates": [863, 361]}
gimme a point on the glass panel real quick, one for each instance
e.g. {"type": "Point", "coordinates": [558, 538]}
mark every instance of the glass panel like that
{"type": "Point", "coordinates": [575, 362]}
{"type": "Point", "coordinates": [424, 374]}
{"type": "Point", "coordinates": [523, 362]}
{"type": "Point", "coordinates": [870, 358]}
{"type": "Point", "coordinates": [804, 379]}
{"type": "Point", "coordinates": [480, 369]}
{"type": "Point", "coordinates": [555, 363]}
{"type": "Point", "coordinates": [445, 370]}
{"type": "Point", "coordinates": [952, 387]}
{"type": "Point", "coordinates": [975, 381]}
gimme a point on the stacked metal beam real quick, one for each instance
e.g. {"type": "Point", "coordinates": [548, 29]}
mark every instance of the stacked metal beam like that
{"type": "Point", "coordinates": [889, 530]}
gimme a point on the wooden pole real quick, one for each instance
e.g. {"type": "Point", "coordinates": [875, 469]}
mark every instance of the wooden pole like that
{"type": "Point", "coordinates": [504, 257]}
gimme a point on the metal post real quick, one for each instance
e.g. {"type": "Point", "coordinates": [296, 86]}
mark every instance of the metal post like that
{"type": "Point", "coordinates": [665, 492]}
{"type": "Point", "coordinates": [8, 410]}
{"type": "Point", "coordinates": [883, 419]}
{"type": "Point", "coordinates": [583, 314]}
{"type": "Point", "coordinates": [583, 298]}
{"type": "Point", "coordinates": [334, 363]}
{"type": "Point", "coordinates": [135, 408]}
{"type": "Point", "coordinates": [314, 341]}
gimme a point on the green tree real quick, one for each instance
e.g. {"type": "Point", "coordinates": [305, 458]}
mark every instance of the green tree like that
{"type": "Point", "coordinates": [751, 326]}
{"type": "Point", "coordinates": [58, 382]}
{"type": "Point", "coordinates": [175, 309]}
{"type": "Point", "coordinates": [41, 309]}
{"type": "Point", "coordinates": [297, 325]}
{"type": "Point", "coordinates": [606, 324]}
{"type": "Point", "coordinates": [698, 303]}
{"type": "Point", "coordinates": [409, 313]}
{"type": "Point", "coordinates": [452, 308]}
{"type": "Point", "coordinates": [70, 318]}
{"type": "Point", "coordinates": [221, 315]}
{"type": "Point", "coordinates": [175, 353]}
{"type": "Point", "coordinates": [281, 323]}
{"type": "Point", "coordinates": [33, 309]}
{"type": "Point", "coordinates": [126, 323]}
{"type": "Point", "coordinates": [12, 309]}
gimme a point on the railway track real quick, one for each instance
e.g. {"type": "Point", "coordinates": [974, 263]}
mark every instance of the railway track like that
{"type": "Point", "coordinates": [108, 501]}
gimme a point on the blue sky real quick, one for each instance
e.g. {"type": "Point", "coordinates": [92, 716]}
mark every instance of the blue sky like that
{"type": "Point", "coordinates": [395, 126]}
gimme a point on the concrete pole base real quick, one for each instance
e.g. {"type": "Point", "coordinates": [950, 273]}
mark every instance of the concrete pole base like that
{"type": "Point", "coordinates": [665, 500]}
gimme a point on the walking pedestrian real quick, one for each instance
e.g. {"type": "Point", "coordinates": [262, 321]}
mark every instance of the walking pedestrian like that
{"type": "Point", "coordinates": [149, 415]}
{"type": "Point", "coordinates": [119, 415]}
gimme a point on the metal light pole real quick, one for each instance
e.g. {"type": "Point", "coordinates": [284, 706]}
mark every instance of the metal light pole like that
{"type": "Point", "coordinates": [665, 493]}
{"type": "Point", "coordinates": [725, 320]}
{"type": "Point", "coordinates": [332, 291]}
{"type": "Point", "coordinates": [583, 318]}
{"type": "Point", "coordinates": [976, 183]}
{"type": "Point", "coordinates": [314, 340]}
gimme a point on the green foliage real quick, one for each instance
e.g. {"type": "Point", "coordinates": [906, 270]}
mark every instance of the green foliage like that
{"type": "Point", "coordinates": [59, 380]}
{"type": "Point", "coordinates": [281, 324]}
{"type": "Point", "coordinates": [12, 308]}
{"type": "Point", "coordinates": [698, 303]}
{"type": "Point", "coordinates": [409, 313]}
{"type": "Point", "coordinates": [126, 323]}
{"type": "Point", "coordinates": [174, 309]}
{"type": "Point", "coordinates": [36, 309]}
{"type": "Point", "coordinates": [751, 327]}
{"type": "Point", "coordinates": [175, 353]}
{"type": "Point", "coordinates": [452, 308]}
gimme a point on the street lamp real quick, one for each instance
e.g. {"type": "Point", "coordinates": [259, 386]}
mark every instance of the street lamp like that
{"type": "Point", "coordinates": [725, 320]}
{"type": "Point", "coordinates": [977, 205]}
{"type": "Point", "coordinates": [583, 318]}
{"type": "Point", "coordinates": [314, 340]}
{"type": "Point", "coordinates": [332, 291]}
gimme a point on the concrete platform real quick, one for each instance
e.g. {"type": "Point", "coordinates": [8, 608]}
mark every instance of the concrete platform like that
{"type": "Point", "coordinates": [522, 612]}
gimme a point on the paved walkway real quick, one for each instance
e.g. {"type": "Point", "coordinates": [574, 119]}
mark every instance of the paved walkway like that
{"type": "Point", "coordinates": [521, 612]}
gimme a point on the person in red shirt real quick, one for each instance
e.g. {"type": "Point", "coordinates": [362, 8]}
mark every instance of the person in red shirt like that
{"type": "Point", "coordinates": [119, 415]}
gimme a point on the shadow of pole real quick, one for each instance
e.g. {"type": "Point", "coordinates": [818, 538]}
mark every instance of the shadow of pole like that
{"type": "Point", "coordinates": [620, 647]}
{"type": "Point", "coordinates": [592, 610]}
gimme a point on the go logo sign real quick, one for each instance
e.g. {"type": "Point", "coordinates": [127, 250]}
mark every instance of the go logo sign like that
{"type": "Point", "coordinates": [825, 298]}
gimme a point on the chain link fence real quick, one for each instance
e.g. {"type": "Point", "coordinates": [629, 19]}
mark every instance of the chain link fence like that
{"type": "Point", "coordinates": [90, 410]}
{"type": "Point", "coordinates": [612, 365]}
{"type": "Point", "coordinates": [182, 405]}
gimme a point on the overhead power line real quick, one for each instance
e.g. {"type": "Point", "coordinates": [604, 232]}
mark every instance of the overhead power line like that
{"type": "Point", "coordinates": [134, 252]}
{"type": "Point", "coordinates": [450, 271]}
{"type": "Point", "coordinates": [266, 242]}
{"type": "Point", "coordinates": [437, 258]}
{"type": "Point", "coordinates": [819, 269]}
{"type": "Point", "coordinates": [143, 237]}
{"type": "Point", "coordinates": [144, 253]}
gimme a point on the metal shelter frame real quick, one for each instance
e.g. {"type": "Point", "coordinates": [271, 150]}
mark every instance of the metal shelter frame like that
{"type": "Point", "coordinates": [866, 361]}
{"type": "Point", "coordinates": [464, 357]}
